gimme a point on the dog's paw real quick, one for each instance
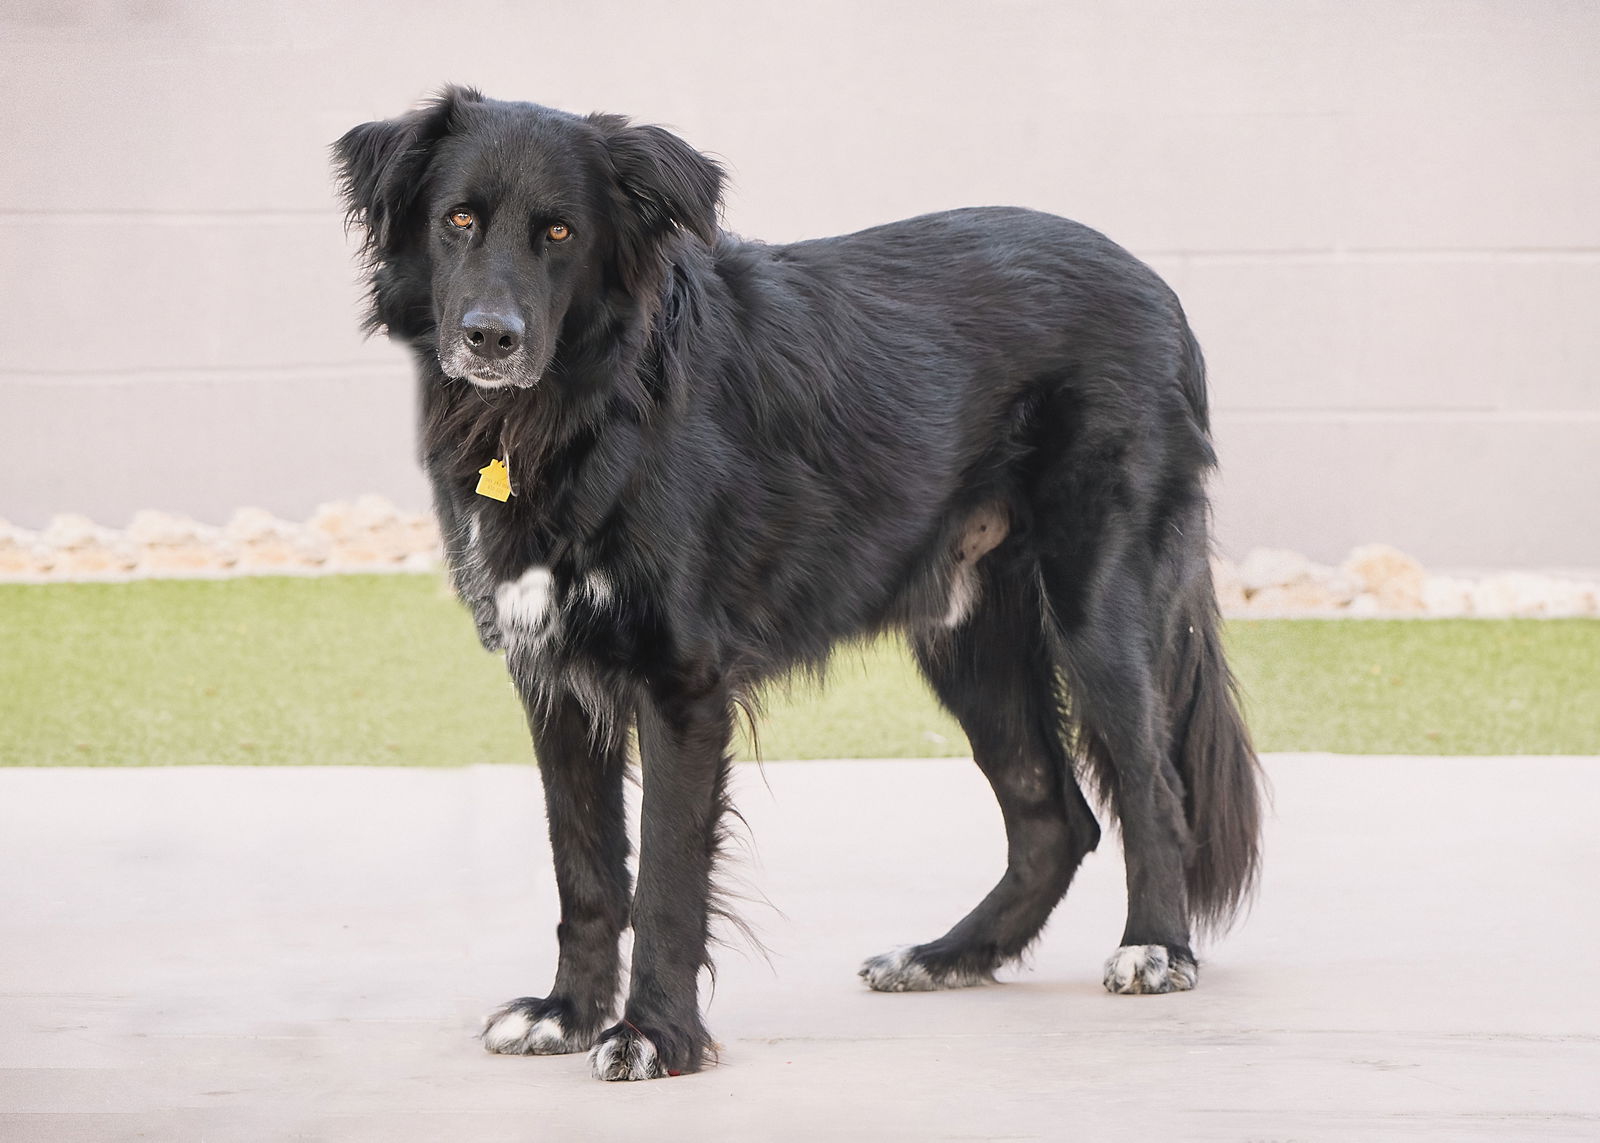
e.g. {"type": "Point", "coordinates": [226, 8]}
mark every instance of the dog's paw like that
{"type": "Point", "coordinates": [904, 970]}
{"type": "Point", "coordinates": [533, 1027]}
{"type": "Point", "coordinates": [625, 1053]}
{"type": "Point", "coordinates": [637, 1049]}
{"type": "Point", "coordinates": [1140, 969]}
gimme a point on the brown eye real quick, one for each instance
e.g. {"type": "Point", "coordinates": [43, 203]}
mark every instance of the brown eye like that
{"type": "Point", "coordinates": [461, 219]}
{"type": "Point", "coordinates": [558, 233]}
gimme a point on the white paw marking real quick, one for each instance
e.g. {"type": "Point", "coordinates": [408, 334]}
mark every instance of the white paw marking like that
{"type": "Point", "coordinates": [1141, 969]}
{"type": "Point", "coordinates": [898, 971]}
{"type": "Point", "coordinates": [895, 971]}
{"type": "Point", "coordinates": [624, 1058]}
{"type": "Point", "coordinates": [547, 1036]}
{"type": "Point", "coordinates": [504, 1030]}
{"type": "Point", "coordinates": [512, 1032]}
{"type": "Point", "coordinates": [523, 605]}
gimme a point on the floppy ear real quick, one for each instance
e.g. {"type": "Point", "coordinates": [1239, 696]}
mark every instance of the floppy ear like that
{"type": "Point", "coordinates": [380, 166]}
{"type": "Point", "coordinates": [665, 184]}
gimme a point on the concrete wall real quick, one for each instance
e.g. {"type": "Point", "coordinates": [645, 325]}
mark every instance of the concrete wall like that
{"type": "Point", "coordinates": [1383, 216]}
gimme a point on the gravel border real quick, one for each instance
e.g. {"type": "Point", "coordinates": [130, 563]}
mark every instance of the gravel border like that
{"type": "Point", "coordinates": [370, 534]}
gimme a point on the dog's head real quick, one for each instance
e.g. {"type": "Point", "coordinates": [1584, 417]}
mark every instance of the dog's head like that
{"type": "Point", "coordinates": [501, 234]}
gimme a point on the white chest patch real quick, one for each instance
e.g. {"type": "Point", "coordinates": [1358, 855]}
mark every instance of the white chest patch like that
{"type": "Point", "coordinates": [523, 604]}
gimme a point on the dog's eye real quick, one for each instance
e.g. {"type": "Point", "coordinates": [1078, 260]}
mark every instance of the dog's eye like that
{"type": "Point", "coordinates": [461, 219]}
{"type": "Point", "coordinates": [558, 233]}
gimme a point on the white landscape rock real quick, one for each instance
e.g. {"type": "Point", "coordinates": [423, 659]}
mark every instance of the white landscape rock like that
{"type": "Point", "coordinates": [1502, 595]}
{"type": "Point", "coordinates": [1309, 597]}
{"type": "Point", "coordinates": [370, 534]}
{"type": "Point", "coordinates": [1445, 596]}
{"type": "Point", "coordinates": [1378, 580]}
{"type": "Point", "coordinates": [22, 556]}
{"type": "Point", "coordinates": [1277, 582]}
{"type": "Point", "coordinates": [255, 525]}
{"type": "Point", "coordinates": [333, 520]}
{"type": "Point", "coordinates": [1229, 587]}
{"type": "Point", "coordinates": [1569, 598]}
{"type": "Point", "coordinates": [70, 532]}
{"type": "Point", "coordinates": [1393, 578]}
{"type": "Point", "coordinates": [1586, 598]}
{"type": "Point", "coordinates": [75, 546]}
{"type": "Point", "coordinates": [371, 513]}
{"type": "Point", "coordinates": [1527, 595]}
{"type": "Point", "coordinates": [171, 544]}
{"type": "Point", "coordinates": [1274, 567]}
{"type": "Point", "coordinates": [422, 532]}
{"type": "Point", "coordinates": [267, 543]}
{"type": "Point", "coordinates": [166, 529]}
{"type": "Point", "coordinates": [1365, 605]}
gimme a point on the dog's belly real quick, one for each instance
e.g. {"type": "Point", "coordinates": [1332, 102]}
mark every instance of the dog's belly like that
{"type": "Point", "coordinates": [838, 593]}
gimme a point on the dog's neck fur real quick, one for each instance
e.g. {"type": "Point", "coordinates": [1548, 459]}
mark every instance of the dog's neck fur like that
{"type": "Point", "coordinates": [610, 370]}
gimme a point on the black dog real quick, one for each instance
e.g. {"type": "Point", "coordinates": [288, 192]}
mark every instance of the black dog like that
{"type": "Point", "coordinates": [985, 428]}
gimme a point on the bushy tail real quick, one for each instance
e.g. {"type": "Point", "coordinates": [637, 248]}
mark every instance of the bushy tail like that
{"type": "Point", "coordinates": [1221, 777]}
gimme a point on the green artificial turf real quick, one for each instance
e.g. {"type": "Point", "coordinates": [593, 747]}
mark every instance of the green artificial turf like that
{"type": "Point", "coordinates": [386, 670]}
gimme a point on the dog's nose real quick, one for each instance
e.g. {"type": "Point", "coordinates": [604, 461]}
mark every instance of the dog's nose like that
{"type": "Point", "coordinates": [491, 335]}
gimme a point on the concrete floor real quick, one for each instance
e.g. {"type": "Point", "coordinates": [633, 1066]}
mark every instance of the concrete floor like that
{"type": "Point", "coordinates": [276, 954]}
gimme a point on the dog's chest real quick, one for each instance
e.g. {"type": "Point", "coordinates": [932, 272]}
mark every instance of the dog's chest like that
{"type": "Point", "coordinates": [541, 602]}
{"type": "Point", "coordinates": [539, 609]}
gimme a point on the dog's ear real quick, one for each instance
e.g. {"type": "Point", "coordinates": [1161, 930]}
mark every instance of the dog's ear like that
{"type": "Point", "coordinates": [380, 166]}
{"type": "Point", "coordinates": [664, 184]}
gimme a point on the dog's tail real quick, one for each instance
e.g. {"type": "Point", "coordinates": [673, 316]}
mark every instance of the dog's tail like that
{"type": "Point", "coordinates": [1211, 746]}
{"type": "Point", "coordinates": [1212, 752]}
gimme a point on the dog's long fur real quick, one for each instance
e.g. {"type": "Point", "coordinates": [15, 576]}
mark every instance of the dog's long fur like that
{"type": "Point", "coordinates": [985, 428]}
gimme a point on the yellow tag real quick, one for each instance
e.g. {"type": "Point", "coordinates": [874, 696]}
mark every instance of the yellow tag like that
{"type": "Point", "coordinates": [494, 481]}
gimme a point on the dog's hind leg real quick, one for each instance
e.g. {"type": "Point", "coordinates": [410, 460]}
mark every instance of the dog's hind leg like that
{"type": "Point", "coordinates": [1108, 651]}
{"type": "Point", "coordinates": [582, 775]}
{"type": "Point", "coordinates": [993, 672]}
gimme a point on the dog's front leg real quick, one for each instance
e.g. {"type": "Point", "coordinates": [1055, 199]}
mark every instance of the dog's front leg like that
{"type": "Point", "coordinates": [684, 731]}
{"type": "Point", "coordinates": [583, 789]}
